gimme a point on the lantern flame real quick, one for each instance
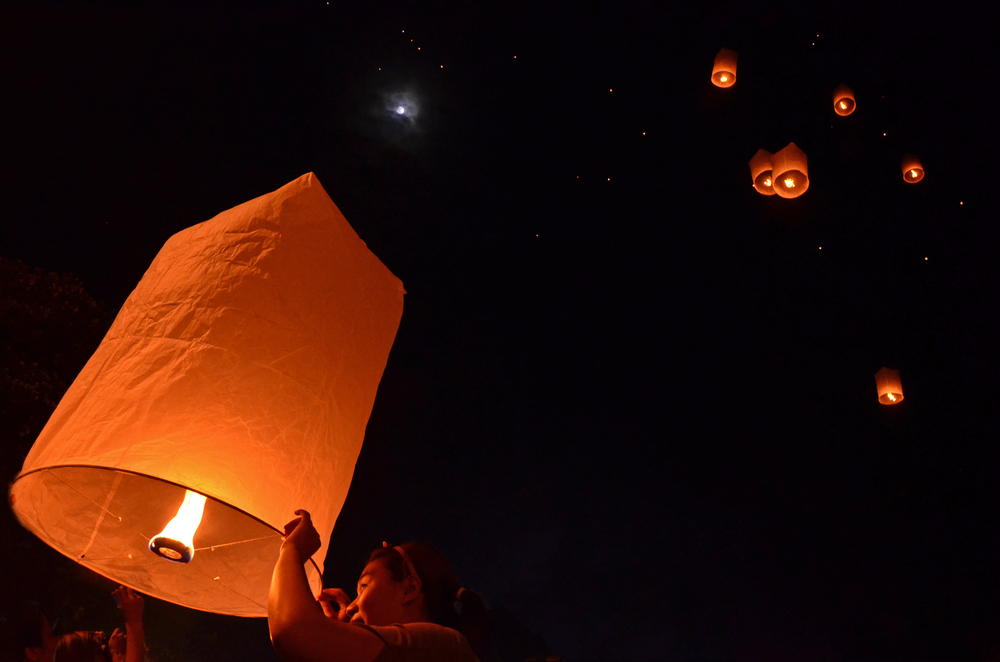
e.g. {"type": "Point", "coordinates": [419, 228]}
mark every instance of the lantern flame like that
{"type": "Point", "coordinates": [723, 79]}
{"type": "Point", "coordinates": [767, 182]}
{"type": "Point", "coordinates": [843, 104]}
{"type": "Point", "coordinates": [790, 183]}
{"type": "Point", "coordinates": [913, 173]}
{"type": "Point", "coordinates": [176, 541]}
{"type": "Point", "coordinates": [891, 397]}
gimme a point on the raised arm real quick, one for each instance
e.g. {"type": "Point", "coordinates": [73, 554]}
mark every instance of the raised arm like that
{"type": "Point", "coordinates": [128, 646]}
{"type": "Point", "coordinates": [300, 632]}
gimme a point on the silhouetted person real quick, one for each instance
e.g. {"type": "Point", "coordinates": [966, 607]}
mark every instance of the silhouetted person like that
{"type": "Point", "coordinates": [406, 607]}
{"type": "Point", "coordinates": [128, 646]}
{"type": "Point", "coordinates": [26, 636]}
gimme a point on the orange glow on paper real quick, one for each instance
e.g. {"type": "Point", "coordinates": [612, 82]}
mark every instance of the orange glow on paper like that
{"type": "Point", "coordinates": [843, 100]}
{"type": "Point", "coordinates": [243, 367]}
{"type": "Point", "coordinates": [913, 171]}
{"type": "Point", "coordinates": [890, 389]}
{"type": "Point", "coordinates": [791, 168]}
{"type": "Point", "coordinates": [724, 68]}
{"type": "Point", "coordinates": [176, 541]}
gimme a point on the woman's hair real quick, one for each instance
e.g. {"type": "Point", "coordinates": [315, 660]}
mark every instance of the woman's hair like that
{"type": "Point", "coordinates": [466, 612]}
{"type": "Point", "coordinates": [83, 646]}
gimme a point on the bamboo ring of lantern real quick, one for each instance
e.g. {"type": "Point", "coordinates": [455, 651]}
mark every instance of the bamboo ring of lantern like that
{"type": "Point", "coordinates": [890, 388]}
{"type": "Point", "coordinates": [760, 172]}
{"type": "Point", "coordinates": [913, 172]}
{"type": "Point", "coordinates": [242, 370]}
{"type": "Point", "coordinates": [790, 171]}
{"type": "Point", "coordinates": [843, 100]}
{"type": "Point", "coordinates": [724, 68]}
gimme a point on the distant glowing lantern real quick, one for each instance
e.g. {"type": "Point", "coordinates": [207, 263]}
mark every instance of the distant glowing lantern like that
{"type": "Point", "coordinates": [843, 100]}
{"type": "Point", "coordinates": [790, 172]}
{"type": "Point", "coordinates": [890, 389]}
{"type": "Point", "coordinates": [233, 387]}
{"type": "Point", "coordinates": [913, 172]}
{"type": "Point", "coordinates": [724, 69]}
{"type": "Point", "coordinates": [760, 172]}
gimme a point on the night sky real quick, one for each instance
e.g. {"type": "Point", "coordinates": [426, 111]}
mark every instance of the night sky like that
{"type": "Point", "coordinates": [630, 398]}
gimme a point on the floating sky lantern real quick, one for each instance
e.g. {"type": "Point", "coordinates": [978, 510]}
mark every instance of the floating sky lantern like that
{"type": "Point", "coordinates": [913, 171]}
{"type": "Point", "coordinates": [724, 69]}
{"type": "Point", "coordinates": [790, 172]}
{"type": "Point", "coordinates": [233, 387]}
{"type": "Point", "coordinates": [843, 100]}
{"type": "Point", "coordinates": [760, 172]}
{"type": "Point", "coordinates": [890, 389]}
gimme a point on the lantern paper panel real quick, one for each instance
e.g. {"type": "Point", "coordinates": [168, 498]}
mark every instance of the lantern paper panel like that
{"type": "Point", "coordinates": [890, 388]}
{"type": "Point", "coordinates": [790, 172]}
{"type": "Point", "coordinates": [724, 68]}
{"type": "Point", "coordinates": [243, 367]}
{"type": "Point", "coordinates": [760, 172]}
{"type": "Point", "coordinates": [843, 100]}
{"type": "Point", "coordinates": [913, 171]}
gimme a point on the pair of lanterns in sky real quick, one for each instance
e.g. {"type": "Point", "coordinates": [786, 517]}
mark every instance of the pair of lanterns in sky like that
{"type": "Point", "coordinates": [724, 75]}
{"type": "Point", "coordinates": [236, 382]}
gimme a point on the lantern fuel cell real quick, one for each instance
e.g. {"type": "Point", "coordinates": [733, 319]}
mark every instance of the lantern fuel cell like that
{"type": "Point", "coordinates": [240, 372]}
{"type": "Point", "coordinates": [176, 541]}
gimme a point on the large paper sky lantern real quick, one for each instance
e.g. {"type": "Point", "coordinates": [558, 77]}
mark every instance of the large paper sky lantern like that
{"type": "Point", "coordinates": [843, 100]}
{"type": "Point", "coordinates": [790, 171]}
{"type": "Point", "coordinates": [237, 379]}
{"type": "Point", "coordinates": [724, 68]}
{"type": "Point", "coordinates": [913, 172]}
{"type": "Point", "coordinates": [760, 172]}
{"type": "Point", "coordinates": [890, 389]}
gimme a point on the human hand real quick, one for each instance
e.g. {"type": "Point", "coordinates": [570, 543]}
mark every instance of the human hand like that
{"type": "Point", "coordinates": [131, 605]}
{"type": "Point", "coordinates": [117, 644]}
{"type": "Point", "coordinates": [328, 595]}
{"type": "Point", "coordinates": [301, 535]}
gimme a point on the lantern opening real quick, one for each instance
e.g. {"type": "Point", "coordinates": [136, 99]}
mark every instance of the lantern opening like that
{"type": "Point", "coordinates": [176, 541]}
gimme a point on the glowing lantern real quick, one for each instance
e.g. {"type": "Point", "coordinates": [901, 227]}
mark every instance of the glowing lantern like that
{"type": "Point", "coordinates": [843, 100]}
{"type": "Point", "coordinates": [890, 389]}
{"type": "Point", "coordinates": [760, 172]}
{"type": "Point", "coordinates": [790, 172]}
{"type": "Point", "coordinates": [913, 172]}
{"type": "Point", "coordinates": [724, 69]}
{"type": "Point", "coordinates": [237, 382]}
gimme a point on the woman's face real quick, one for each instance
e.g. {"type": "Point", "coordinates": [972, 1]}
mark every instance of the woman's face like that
{"type": "Point", "coordinates": [380, 599]}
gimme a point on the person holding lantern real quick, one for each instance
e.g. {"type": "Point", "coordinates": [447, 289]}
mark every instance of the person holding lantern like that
{"type": "Point", "coordinates": [405, 609]}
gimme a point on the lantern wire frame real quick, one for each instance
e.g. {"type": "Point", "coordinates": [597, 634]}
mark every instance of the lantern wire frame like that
{"type": "Point", "coordinates": [126, 497]}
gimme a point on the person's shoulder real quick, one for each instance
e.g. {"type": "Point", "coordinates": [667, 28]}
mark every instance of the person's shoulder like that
{"type": "Point", "coordinates": [427, 637]}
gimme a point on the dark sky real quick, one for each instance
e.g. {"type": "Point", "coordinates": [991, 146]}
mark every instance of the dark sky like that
{"type": "Point", "coordinates": [630, 398]}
